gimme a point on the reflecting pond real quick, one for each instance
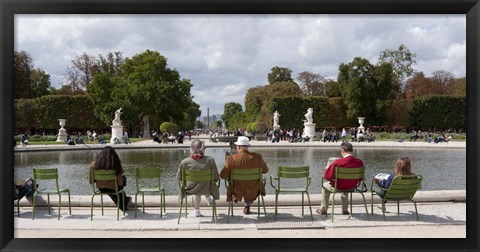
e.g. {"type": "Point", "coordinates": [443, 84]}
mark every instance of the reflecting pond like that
{"type": "Point", "coordinates": [442, 169]}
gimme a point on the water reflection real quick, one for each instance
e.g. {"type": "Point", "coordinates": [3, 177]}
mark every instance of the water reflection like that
{"type": "Point", "coordinates": [442, 169]}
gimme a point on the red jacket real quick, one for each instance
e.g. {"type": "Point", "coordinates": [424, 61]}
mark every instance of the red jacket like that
{"type": "Point", "coordinates": [347, 162]}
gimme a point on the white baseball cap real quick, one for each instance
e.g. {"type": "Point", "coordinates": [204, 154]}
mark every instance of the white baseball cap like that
{"type": "Point", "coordinates": [242, 141]}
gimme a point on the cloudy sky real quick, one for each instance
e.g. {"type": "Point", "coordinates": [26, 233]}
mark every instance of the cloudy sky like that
{"type": "Point", "coordinates": [225, 55]}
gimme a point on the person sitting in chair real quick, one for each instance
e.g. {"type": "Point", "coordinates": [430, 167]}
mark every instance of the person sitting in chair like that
{"type": "Point", "coordinates": [348, 161]}
{"type": "Point", "coordinates": [243, 159]}
{"type": "Point", "coordinates": [403, 167]}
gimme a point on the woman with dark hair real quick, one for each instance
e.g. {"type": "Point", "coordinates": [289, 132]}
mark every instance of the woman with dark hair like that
{"type": "Point", "coordinates": [108, 159]}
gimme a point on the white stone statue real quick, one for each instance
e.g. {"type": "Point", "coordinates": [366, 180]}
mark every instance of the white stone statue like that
{"type": "Point", "coordinates": [309, 116]}
{"type": "Point", "coordinates": [117, 116]}
{"type": "Point", "coordinates": [276, 118]}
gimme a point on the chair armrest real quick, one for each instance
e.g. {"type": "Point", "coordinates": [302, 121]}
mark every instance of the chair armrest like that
{"type": "Point", "coordinates": [309, 181]}
{"type": "Point", "coordinates": [271, 181]}
{"type": "Point", "coordinates": [323, 181]}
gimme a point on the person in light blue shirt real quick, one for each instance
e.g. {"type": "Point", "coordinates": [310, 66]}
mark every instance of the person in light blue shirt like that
{"type": "Point", "coordinates": [403, 167]}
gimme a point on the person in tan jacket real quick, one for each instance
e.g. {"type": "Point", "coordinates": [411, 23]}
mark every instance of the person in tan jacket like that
{"type": "Point", "coordinates": [108, 159]}
{"type": "Point", "coordinates": [244, 160]}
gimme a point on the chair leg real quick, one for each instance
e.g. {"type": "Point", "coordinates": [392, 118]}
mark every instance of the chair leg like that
{"type": "Point", "coordinates": [136, 206]}
{"type": "Point", "coordinates": [383, 210]}
{"type": "Point", "coordinates": [48, 203]}
{"type": "Point", "coordinates": [276, 203]}
{"type": "Point", "coordinates": [365, 204]}
{"type": "Point", "coordinates": [416, 212]}
{"type": "Point", "coordinates": [18, 207]}
{"type": "Point", "coordinates": [264, 210]}
{"type": "Point", "coordinates": [351, 204]}
{"type": "Point", "coordinates": [333, 204]}
{"type": "Point", "coordinates": [372, 202]}
{"type": "Point", "coordinates": [180, 212]}
{"type": "Point", "coordinates": [302, 205]}
{"type": "Point", "coordinates": [143, 202]}
{"type": "Point", "coordinates": [310, 205]}
{"type": "Point", "coordinates": [230, 207]}
{"type": "Point", "coordinates": [398, 207]}
{"type": "Point", "coordinates": [101, 202]}
{"type": "Point", "coordinates": [69, 204]}
{"type": "Point", "coordinates": [91, 209]}
{"type": "Point", "coordinates": [161, 204]}
{"type": "Point", "coordinates": [33, 206]}
{"type": "Point", "coordinates": [164, 203]}
{"type": "Point", "coordinates": [59, 205]}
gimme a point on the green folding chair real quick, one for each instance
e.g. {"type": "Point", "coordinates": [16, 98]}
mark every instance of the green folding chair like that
{"type": "Point", "coordinates": [348, 173]}
{"type": "Point", "coordinates": [99, 174]}
{"type": "Point", "coordinates": [402, 188]}
{"type": "Point", "coordinates": [197, 176]}
{"type": "Point", "coordinates": [49, 174]}
{"type": "Point", "coordinates": [242, 175]}
{"type": "Point", "coordinates": [284, 173]}
{"type": "Point", "coordinates": [152, 175]}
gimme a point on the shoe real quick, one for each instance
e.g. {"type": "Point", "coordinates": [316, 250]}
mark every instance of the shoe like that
{"type": "Point", "coordinates": [209, 200]}
{"type": "Point", "coordinates": [246, 211]}
{"type": "Point", "coordinates": [198, 213]}
{"type": "Point", "coordinates": [346, 212]}
{"type": "Point", "coordinates": [322, 211]}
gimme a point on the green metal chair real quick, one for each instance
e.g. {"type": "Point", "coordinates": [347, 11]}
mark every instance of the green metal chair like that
{"type": "Point", "coordinates": [197, 176]}
{"type": "Point", "coordinates": [49, 174]}
{"type": "Point", "coordinates": [149, 174]}
{"type": "Point", "coordinates": [242, 175]}
{"type": "Point", "coordinates": [99, 174]}
{"type": "Point", "coordinates": [283, 173]}
{"type": "Point", "coordinates": [348, 173]}
{"type": "Point", "coordinates": [402, 188]}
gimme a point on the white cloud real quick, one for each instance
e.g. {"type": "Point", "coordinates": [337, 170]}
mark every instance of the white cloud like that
{"type": "Point", "coordinates": [224, 55]}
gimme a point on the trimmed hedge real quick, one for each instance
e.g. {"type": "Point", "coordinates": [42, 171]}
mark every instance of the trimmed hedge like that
{"type": "Point", "coordinates": [439, 112]}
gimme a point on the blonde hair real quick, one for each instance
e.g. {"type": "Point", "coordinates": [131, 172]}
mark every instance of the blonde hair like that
{"type": "Point", "coordinates": [404, 167]}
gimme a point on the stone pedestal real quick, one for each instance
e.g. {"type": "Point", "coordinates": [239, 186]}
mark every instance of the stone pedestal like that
{"type": "Point", "coordinates": [62, 133]}
{"type": "Point", "coordinates": [276, 127]}
{"type": "Point", "coordinates": [117, 132]}
{"type": "Point", "coordinates": [309, 130]}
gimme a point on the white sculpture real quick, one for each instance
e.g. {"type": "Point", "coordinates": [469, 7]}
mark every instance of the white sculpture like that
{"type": "Point", "coordinates": [276, 118]}
{"type": "Point", "coordinates": [309, 116]}
{"type": "Point", "coordinates": [117, 128]}
{"type": "Point", "coordinates": [116, 120]}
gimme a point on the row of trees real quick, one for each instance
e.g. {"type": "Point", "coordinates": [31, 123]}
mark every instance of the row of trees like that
{"type": "Point", "coordinates": [385, 93]}
{"type": "Point", "coordinates": [144, 86]}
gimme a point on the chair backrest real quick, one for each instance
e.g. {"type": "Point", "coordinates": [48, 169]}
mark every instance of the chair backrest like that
{"type": "Point", "coordinates": [45, 174]}
{"type": "Point", "coordinates": [246, 174]}
{"type": "Point", "coordinates": [293, 172]}
{"type": "Point", "coordinates": [147, 173]}
{"type": "Point", "coordinates": [403, 187]}
{"type": "Point", "coordinates": [357, 173]}
{"type": "Point", "coordinates": [100, 174]}
{"type": "Point", "coordinates": [197, 176]}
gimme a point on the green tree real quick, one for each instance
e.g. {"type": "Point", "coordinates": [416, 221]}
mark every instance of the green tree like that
{"type": "Point", "coordinates": [23, 68]}
{"type": "Point", "coordinates": [402, 61]}
{"type": "Point", "coordinates": [146, 87]}
{"type": "Point", "coordinates": [280, 74]}
{"type": "Point", "coordinates": [332, 89]}
{"type": "Point", "coordinates": [230, 111]}
{"type": "Point", "coordinates": [366, 89]}
{"type": "Point", "coordinates": [40, 82]}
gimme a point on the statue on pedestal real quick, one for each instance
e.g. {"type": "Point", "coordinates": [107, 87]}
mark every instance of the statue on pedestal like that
{"type": "Point", "coordinates": [116, 120]}
{"type": "Point", "coordinates": [309, 116]}
{"type": "Point", "coordinates": [276, 119]}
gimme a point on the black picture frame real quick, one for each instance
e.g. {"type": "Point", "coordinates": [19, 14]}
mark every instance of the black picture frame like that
{"type": "Point", "coordinates": [471, 8]}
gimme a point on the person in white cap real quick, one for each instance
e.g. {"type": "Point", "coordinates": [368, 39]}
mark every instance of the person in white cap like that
{"type": "Point", "coordinates": [244, 160]}
{"type": "Point", "coordinates": [198, 161]}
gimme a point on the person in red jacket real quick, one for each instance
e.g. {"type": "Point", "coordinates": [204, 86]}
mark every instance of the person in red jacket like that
{"type": "Point", "coordinates": [348, 161]}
